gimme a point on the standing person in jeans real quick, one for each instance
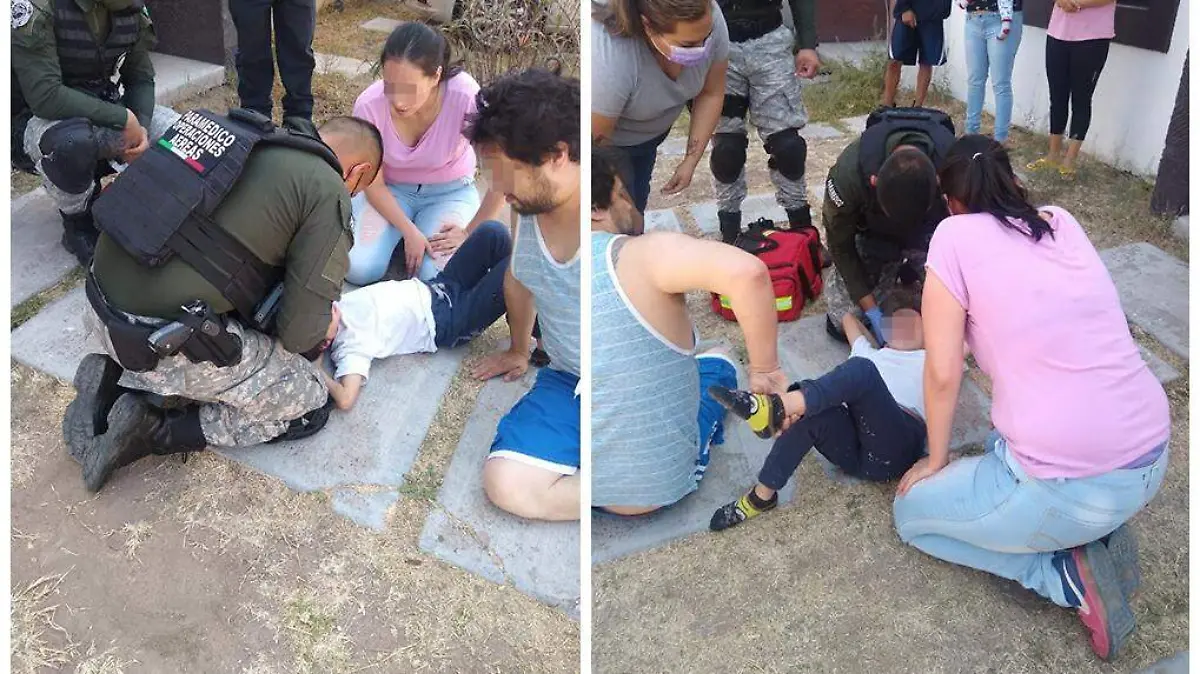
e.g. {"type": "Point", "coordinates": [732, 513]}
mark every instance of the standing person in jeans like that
{"type": "Point", "coordinates": [294, 22]}
{"type": "Point", "coordinates": [866, 416]}
{"type": "Point", "coordinates": [651, 57]}
{"type": "Point", "coordinates": [1082, 424]}
{"type": "Point", "coordinates": [1077, 42]}
{"type": "Point", "coordinates": [425, 196]}
{"type": "Point", "coordinates": [993, 35]}
{"type": "Point", "coordinates": [917, 37]}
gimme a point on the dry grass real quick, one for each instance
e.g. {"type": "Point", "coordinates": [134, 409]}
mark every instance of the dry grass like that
{"type": "Point", "coordinates": [32, 616]}
{"type": "Point", "coordinates": [22, 183]}
{"type": "Point", "coordinates": [824, 584]}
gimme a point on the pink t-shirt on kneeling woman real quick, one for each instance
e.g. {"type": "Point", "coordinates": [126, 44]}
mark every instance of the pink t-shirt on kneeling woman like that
{"type": "Point", "coordinates": [1071, 393]}
{"type": "Point", "coordinates": [443, 153]}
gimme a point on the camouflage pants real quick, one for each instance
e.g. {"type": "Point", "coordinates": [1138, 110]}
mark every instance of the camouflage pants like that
{"type": "Point", "coordinates": [886, 273]}
{"type": "Point", "coordinates": [111, 144]}
{"type": "Point", "coordinates": [763, 70]}
{"type": "Point", "coordinates": [246, 404]}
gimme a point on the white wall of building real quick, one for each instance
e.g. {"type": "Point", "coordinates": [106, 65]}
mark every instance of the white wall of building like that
{"type": "Point", "coordinates": [1133, 102]}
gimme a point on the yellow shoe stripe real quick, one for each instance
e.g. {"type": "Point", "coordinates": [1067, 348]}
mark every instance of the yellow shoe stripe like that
{"type": "Point", "coordinates": [747, 507]}
{"type": "Point", "coordinates": [760, 418]}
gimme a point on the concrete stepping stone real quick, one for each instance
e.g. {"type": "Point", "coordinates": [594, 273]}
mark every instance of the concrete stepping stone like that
{"type": "Point", "coordinates": [1175, 664]}
{"type": "Point", "coordinates": [177, 78]}
{"type": "Point", "coordinates": [820, 132]}
{"type": "Point", "coordinates": [732, 468]}
{"type": "Point", "coordinates": [38, 258]}
{"type": "Point", "coordinates": [662, 220]}
{"type": "Point", "coordinates": [1161, 368]}
{"type": "Point", "coordinates": [1153, 287]}
{"type": "Point", "coordinates": [381, 24]}
{"type": "Point", "coordinates": [370, 447]}
{"type": "Point", "coordinates": [855, 125]}
{"type": "Point", "coordinates": [540, 559]}
{"type": "Point", "coordinates": [754, 207]}
{"type": "Point", "coordinates": [341, 65]}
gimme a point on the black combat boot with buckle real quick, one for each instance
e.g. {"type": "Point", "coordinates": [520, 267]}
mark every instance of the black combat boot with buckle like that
{"type": "Point", "coordinates": [136, 429]}
{"type": "Point", "coordinates": [731, 225]}
{"type": "Point", "coordinates": [80, 236]}
{"type": "Point", "coordinates": [800, 219]}
{"type": "Point", "coordinates": [96, 389]}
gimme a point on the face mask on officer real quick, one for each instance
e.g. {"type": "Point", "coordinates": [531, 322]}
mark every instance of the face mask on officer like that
{"type": "Point", "coordinates": [356, 178]}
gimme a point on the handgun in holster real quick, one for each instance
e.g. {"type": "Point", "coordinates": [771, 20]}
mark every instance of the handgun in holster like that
{"type": "Point", "coordinates": [200, 335]}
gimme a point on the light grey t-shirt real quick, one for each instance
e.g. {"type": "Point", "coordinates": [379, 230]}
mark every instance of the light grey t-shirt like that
{"type": "Point", "coordinates": [628, 83]}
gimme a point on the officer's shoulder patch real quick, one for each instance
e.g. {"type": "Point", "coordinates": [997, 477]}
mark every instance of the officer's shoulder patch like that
{"type": "Point", "coordinates": [832, 193]}
{"type": "Point", "coordinates": [22, 12]}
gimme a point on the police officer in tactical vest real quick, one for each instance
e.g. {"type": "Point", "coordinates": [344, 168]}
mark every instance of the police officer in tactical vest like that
{"type": "Point", "coordinates": [222, 251]}
{"type": "Point", "coordinates": [69, 118]}
{"type": "Point", "coordinates": [882, 204]}
{"type": "Point", "coordinates": [765, 58]}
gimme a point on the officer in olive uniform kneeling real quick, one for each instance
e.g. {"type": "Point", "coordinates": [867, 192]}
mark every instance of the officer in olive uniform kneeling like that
{"type": "Point", "coordinates": [882, 204]}
{"type": "Point", "coordinates": [222, 252]}
{"type": "Point", "coordinates": [69, 119]}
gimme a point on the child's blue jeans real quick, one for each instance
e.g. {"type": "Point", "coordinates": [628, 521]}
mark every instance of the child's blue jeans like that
{"type": "Point", "coordinates": [468, 296]}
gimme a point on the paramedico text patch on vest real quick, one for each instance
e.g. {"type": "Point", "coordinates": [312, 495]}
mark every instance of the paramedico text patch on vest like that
{"type": "Point", "coordinates": [197, 140]}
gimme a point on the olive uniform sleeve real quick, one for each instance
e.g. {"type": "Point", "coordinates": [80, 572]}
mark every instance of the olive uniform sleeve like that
{"type": "Point", "coordinates": [804, 18]}
{"type": "Point", "coordinates": [842, 214]}
{"type": "Point", "coordinates": [318, 259]}
{"type": "Point", "coordinates": [35, 65]}
{"type": "Point", "coordinates": [137, 73]}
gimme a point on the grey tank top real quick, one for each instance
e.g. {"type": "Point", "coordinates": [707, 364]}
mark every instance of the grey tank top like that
{"type": "Point", "coordinates": [645, 399]}
{"type": "Point", "coordinates": [555, 289]}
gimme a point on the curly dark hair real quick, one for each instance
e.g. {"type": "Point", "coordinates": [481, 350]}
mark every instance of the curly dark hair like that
{"type": "Point", "coordinates": [608, 164]}
{"type": "Point", "coordinates": [527, 114]}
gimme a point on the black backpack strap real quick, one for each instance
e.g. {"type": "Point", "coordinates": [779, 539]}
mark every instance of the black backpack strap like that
{"type": "Point", "coordinates": [226, 263]}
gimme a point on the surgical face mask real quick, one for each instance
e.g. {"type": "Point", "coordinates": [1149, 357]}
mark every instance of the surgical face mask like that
{"type": "Point", "coordinates": [687, 56]}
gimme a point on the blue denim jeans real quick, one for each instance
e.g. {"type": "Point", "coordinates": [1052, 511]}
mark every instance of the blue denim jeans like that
{"type": "Point", "coordinates": [427, 206]}
{"type": "Point", "coordinates": [985, 512]}
{"type": "Point", "coordinates": [641, 162]}
{"type": "Point", "coordinates": [987, 55]}
{"type": "Point", "coordinates": [468, 296]}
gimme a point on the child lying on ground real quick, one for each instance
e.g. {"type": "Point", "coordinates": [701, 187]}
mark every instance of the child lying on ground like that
{"type": "Point", "coordinates": [867, 415]}
{"type": "Point", "coordinates": [393, 318]}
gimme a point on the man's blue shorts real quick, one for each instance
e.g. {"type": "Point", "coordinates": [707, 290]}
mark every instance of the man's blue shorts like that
{"type": "Point", "coordinates": [926, 43]}
{"type": "Point", "coordinates": [715, 370]}
{"type": "Point", "coordinates": [543, 428]}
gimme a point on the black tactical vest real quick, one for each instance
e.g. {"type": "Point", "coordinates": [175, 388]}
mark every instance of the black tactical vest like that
{"type": "Point", "coordinates": [88, 64]}
{"type": "Point", "coordinates": [878, 232]}
{"type": "Point", "coordinates": [749, 19]}
{"type": "Point", "coordinates": [162, 204]}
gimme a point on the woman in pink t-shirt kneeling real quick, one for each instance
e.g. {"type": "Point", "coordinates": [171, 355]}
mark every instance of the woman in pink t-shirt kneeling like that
{"type": "Point", "coordinates": [1081, 424]}
{"type": "Point", "coordinates": [425, 195]}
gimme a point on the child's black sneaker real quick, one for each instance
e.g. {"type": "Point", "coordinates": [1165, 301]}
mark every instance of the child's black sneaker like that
{"type": "Point", "coordinates": [763, 411]}
{"type": "Point", "coordinates": [739, 511]}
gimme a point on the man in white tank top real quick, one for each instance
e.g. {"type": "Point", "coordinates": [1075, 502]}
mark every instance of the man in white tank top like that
{"type": "Point", "coordinates": [639, 308]}
{"type": "Point", "coordinates": [527, 137]}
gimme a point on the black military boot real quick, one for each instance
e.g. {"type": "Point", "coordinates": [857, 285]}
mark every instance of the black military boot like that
{"type": "Point", "coordinates": [136, 430]}
{"type": "Point", "coordinates": [731, 225]}
{"type": "Point", "coordinates": [308, 425]}
{"type": "Point", "coordinates": [801, 218]}
{"type": "Point", "coordinates": [80, 236]}
{"type": "Point", "coordinates": [96, 390]}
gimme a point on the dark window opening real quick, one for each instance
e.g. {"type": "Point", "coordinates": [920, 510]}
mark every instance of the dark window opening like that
{"type": "Point", "coordinates": [1145, 24]}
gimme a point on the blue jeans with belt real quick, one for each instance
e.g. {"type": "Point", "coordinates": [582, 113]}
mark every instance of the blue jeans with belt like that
{"type": "Point", "coordinates": [987, 513]}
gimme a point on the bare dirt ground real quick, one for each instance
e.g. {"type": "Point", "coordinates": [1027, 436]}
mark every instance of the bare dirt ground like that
{"type": "Point", "coordinates": [211, 567]}
{"type": "Point", "coordinates": [824, 584]}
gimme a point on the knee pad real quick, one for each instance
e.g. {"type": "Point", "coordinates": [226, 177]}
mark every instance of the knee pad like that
{"type": "Point", "coordinates": [70, 153]}
{"type": "Point", "coordinates": [788, 153]}
{"type": "Point", "coordinates": [735, 107]}
{"type": "Point", "coordinates": [728, 156]}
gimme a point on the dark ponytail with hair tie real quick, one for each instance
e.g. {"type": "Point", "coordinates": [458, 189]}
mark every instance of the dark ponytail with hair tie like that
{"type": "Point", "coordinates": [422, 46]}
{"type": "Point", "coordinates": [978, 174]}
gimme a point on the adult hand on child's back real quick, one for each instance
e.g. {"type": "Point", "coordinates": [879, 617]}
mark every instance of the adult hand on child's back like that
{"type": "Point", "coordinates": [447, 239]}
{"type": "Point", "coordinates": [511, 364]}
{"type": "Point", "coordinates": [415, 248]}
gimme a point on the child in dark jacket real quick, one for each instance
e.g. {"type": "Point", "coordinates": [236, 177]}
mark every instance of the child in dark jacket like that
{"type": "Point", "coordinates": [916, 37]}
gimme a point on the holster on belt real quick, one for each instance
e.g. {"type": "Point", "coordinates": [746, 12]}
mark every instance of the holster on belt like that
{"type": "Point", "coordinates": [130, 340]}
